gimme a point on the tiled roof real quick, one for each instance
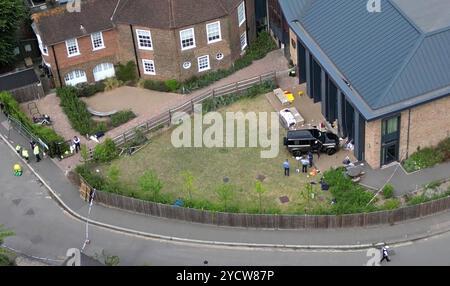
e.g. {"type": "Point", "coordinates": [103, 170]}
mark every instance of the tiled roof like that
{"type": "Point", "coordinates": [58, 24]}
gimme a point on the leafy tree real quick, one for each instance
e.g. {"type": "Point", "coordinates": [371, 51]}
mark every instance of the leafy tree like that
{"type": "Point", "coordinates": [12, 13]}
{"type": "Point", "coordinates": [225, 193]}
{"type": "Point", "coordinates": [149, 182]}
{"type": "Point", "coordinates": [260, 190]}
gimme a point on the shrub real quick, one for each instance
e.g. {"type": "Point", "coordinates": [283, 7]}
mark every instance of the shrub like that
{"type": "Point", "coordinates": [112, 83]}
{"type": "Point", "coordinates": [418, 200]}
{"type": "Point", "coordinates": [172, 84]}
{"type": "Point", "coordinates": [350, 198]}
{"type": "Point", "coordinates": [388, 191]}
{"type": "Point", "coordinates": [424, 158]}
{"type": "Point", "coordinates": [444, 148]}
{"type": "Point", "coordinates": [149, 182]}
{"type": "Point", "coordinates": [87, 90]}
{"type": "Point", "coordinates": [76, 110]}
{"type": "Point", "coordinates": [106, 152]}
{"type": "Point", "coordinates": [391, 204]}
{"type": "Point", "coordinates": [48, 135]}
{"type": "Point", "coordinates": [93, 179]}
{"type": "Point", "coordinates": [127, 72]}
{"type": "Point", "coordinates": [122, 117]}
{"type": "Point", "coordinates": [155, 85]}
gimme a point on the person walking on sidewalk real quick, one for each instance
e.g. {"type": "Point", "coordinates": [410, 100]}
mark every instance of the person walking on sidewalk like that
{"type": "Point", "coordinates": [36, 152]}
{"type": "Point", "coordinates": [76, 142]}
{"type": "Point", "coordinates": [385, 254]}
{"type": "Point", "coordinates": [25, 155]}
{"type": "Point", "coordinates": [286, 168]}
{"type": "Point", "coordinates": [19, 149]}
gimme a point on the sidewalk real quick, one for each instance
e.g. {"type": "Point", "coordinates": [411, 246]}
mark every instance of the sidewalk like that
{"type": "Point", "coordinates": [57, 180]}
{"type": "Point", "coordinates": [403, 182]}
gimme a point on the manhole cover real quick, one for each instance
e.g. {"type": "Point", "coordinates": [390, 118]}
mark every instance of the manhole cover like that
{"type": "Point", "coordinates": [226, 179]}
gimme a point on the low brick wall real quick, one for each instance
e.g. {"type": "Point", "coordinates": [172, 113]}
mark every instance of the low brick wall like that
{"type": "Point", "coordinates": [267, 221]}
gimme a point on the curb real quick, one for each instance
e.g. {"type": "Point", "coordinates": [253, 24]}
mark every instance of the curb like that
{"type": "Point", "coordinates": [218, 243]}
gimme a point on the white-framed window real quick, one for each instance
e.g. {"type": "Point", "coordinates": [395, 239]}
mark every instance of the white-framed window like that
{"type": "Point", "coordinates": [187, 39]}
{"type": "Point", "coordinates": [241, 13]}
{"type": "Point", "coordinates": [149, 67]}
{"type": "Point", "coordinates": [97, 41]}
{"type": "Point", "coordinates": [72, 47]}
{"type": "Point", "coordinates": [243, 41]}
{"type": "Point", "coordinates": [187, 65]}
{"type": "Point", "coordinates": [219, 56]}
{"type": "Point", "coordinates": [203, 63]}
{"type": "Point", "coordinates": [75, 77]}
{"type": "Point", "coordinates": [213, 32]}
{"type": "Point", "coordinates": [144, 38]}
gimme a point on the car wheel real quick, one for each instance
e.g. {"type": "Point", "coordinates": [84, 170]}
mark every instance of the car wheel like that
{"type": "Point", "coordinates": [331, 152]}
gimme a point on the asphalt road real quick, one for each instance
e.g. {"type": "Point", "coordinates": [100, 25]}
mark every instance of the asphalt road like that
{"type": "Point", "coordinates": [44, 230]}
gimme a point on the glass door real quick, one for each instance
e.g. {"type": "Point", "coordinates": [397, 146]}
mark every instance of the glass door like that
{"type": "Point", "coordinates": [390, 140]}
{"type": "Point", "coordinates": [390, 153]}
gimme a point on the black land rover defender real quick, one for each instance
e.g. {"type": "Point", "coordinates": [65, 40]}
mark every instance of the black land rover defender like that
{"type": "Point", "coordinates": [301, 141]}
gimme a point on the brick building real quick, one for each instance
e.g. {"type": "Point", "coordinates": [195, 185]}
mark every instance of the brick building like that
{"type": "Point", "coordinates": [384, 77]}
{"type": "Point", "coordinates": [167, 39]}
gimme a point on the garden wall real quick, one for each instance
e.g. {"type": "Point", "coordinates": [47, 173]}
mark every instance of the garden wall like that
{"type": "Point", "coordinates": [261, 220]}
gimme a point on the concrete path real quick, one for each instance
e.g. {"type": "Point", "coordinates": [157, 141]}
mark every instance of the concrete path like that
{"type": "Point", "coordinates": [402, 181]}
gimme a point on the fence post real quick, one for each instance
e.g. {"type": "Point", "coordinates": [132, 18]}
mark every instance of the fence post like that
{"type": "Point", "coordinates": [214, 92]}
{"type": "Point", "coordinates": [124, 138]}
{"type": "Point", "coordinates": [170, 117]}
{"type": "Point", "coordinates": [192, 105]}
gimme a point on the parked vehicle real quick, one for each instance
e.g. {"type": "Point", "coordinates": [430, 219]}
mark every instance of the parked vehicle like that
{"type": "Point", "coordinates": [302, 141]}
{"type": "Point", "coordinates": [287, 119]}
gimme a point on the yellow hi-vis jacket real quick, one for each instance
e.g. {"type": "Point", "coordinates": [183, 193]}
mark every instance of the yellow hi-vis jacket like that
{"type": "Point", "coordinates": [36, 150]}
{"type": "Point", "coordinates": [25, 153]}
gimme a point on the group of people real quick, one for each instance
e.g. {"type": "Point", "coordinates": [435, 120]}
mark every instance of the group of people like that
{"type": "Point", "coordinates": [306, 161]}
{"type": "Point", "coordinates": [24, 151]}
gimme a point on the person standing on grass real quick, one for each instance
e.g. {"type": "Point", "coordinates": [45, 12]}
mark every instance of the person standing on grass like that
{"type": "Point", "coordinates": [36, 152]}
{"type": "Point", "coordinates": [76, 142]}
{"type": "Point", "coordinates": [286, 168]}
{"type": "Point", "coordinates": [310, 159]}
{"type": "Point", "coordinates": [305, 163]}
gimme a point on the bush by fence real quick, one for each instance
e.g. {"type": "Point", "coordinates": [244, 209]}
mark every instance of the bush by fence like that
{"type": "Point", "coordinates": [270, 221]}
{"type": "Point", "coordinates": [48, 135]}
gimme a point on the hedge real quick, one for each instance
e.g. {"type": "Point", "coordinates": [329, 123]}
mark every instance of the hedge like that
{"type": "Point", "coordinates": [46, 134]}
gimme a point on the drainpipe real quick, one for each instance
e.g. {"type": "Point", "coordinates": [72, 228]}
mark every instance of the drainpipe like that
{"type": "Point", "coordinates": [135, 51]}
{"type": "Point", "coordinates": [409, 127]}
{"type": "Point", "coordinates": [267, 15]}
{"type": "Point", "coordinates": [57, 66]}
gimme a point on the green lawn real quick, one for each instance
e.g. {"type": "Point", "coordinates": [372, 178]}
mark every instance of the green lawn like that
{"type": "Point", "coordinates": [209, 166]}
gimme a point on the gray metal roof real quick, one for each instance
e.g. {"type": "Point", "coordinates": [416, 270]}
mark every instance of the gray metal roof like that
{"type": "Point", "coordinates": [387, 59]}
{"type": "Point", "coordinates": [428, 15]}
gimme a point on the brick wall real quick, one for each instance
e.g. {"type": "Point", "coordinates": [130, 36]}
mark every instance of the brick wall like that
{"type": "Point", "coordinates": [429, 124]}
{"type": "Point", "coordinates": [293, 49]}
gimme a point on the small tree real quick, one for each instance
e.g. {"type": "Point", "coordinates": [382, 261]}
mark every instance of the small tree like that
{"type": "Point", "coordinates": [225, 193]}
{"type": "Point", "coordinates": [388, 191]}
{"type": "Point", "coordinates": [149, 182]}
{"type": "Point", "coordinates": [106, 152]}
{"type": "Point", "coordinates": [188, 179]}
{"type": "Point", "coordinates": [260, 190]}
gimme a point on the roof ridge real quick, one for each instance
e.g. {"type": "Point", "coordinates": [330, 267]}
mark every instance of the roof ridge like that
{"type": "Point", "coordinates": [406, 17]}
{"type": "Point", "coordinates": [407, 60]}
{"type": "Point", "coordinates": [442, 30]}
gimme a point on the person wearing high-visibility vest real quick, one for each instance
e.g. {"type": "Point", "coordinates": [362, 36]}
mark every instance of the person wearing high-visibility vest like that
{"type": "Point", "coordinates": [17, 170]}
{"type": "Point", "coordinates": [18, 149]}
{"type": "Point", "coordinates": [36, 153]}
{"type": "Point", "coordinates": [25, 154]}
